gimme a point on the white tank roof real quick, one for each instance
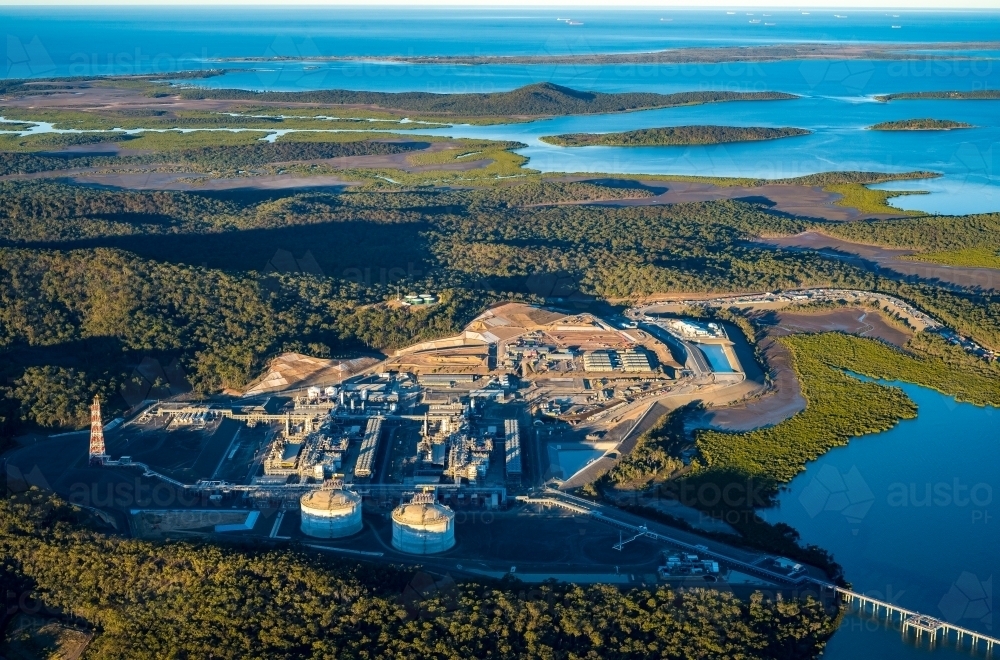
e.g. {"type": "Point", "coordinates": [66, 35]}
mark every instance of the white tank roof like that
{"type": "Point", "coordinates": [330, 500]}
{"type": "Point", "coordinates": [423, 513]}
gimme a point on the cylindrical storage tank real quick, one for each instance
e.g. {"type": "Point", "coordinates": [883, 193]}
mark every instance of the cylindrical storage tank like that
{"type": "Point", "coordinates": [423, 528]}
{"type": "Point", "coordinates": [330, 514]}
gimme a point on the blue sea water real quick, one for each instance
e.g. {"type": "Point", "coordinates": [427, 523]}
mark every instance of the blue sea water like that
{"type": "Point", "coordinates": [913, 517]}
{"type": "Point", "coordinates": [179, 35]}
{"type": "Point", "coordinates": [837, 97]}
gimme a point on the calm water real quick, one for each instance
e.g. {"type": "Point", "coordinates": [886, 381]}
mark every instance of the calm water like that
{"type": "Point", "coordinates": [837, 96]}
{"type": "Point", "coordinates": [79, 41]}
{"type": "Point", "coordinates": [716, 357]}
{"type": "Point", "coordinates": [912, 516]}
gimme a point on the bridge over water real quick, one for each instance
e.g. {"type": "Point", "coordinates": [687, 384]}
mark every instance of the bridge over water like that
{"type": "Point", "coordinates": [920, 626]}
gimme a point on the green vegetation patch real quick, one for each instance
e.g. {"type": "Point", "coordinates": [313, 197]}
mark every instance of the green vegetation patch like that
{"type": "Point", "coordinates": [840, 407]}
{"type": "Point", "coordinates": [919, 125]}
{"type": "Point", "coordinates": [655, 453]}
{"type": "Point", "coordinates": [984, 257]}
{"type": "Point", "coordinates": [55, 141]}
{"type": "Point", "coordinates": [836, 178]}
{"type": "Point", "coordinates": [869, 201]}
{"type": "Point", "coordinates": [187, 600]}
{"type": "Point", "coordinates": [674, 136]}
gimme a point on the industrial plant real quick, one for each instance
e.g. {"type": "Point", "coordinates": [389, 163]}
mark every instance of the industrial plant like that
{"type": "Point", "coordinates": [525, 396]}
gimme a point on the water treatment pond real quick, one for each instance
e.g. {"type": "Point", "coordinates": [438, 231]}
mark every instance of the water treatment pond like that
{"type": "Point", "coordinates": [717, 358]}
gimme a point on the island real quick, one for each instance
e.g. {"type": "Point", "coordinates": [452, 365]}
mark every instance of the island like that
{"type": "Point", "coordinates": [978, 95]}
{"type": "Point", "coordinates": [674, 136]}
{"type": "Point", "coordinates": [684, 55]}
{"type": "Point", "coordinates": [919, 125]}
{"type": "Point", "coordinates": [530, 101]}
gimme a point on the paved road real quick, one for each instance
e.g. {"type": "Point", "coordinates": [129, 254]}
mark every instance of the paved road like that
{"type": "Point", "coordinates": [588, 474]}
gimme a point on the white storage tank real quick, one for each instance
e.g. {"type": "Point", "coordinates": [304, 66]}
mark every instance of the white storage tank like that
{"type": "Point", "coordinates": [330, 514]}
{"type": "Point", "coordinates": [423, 526]}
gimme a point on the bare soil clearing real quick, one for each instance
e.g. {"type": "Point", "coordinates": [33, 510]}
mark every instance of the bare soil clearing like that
{"type": "Point", "coordinates": [853, 320]}
{"type": "Point", "coordinates": [296, 370]}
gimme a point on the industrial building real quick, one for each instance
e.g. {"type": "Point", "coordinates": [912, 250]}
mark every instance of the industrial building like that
{"type": "Point", "coordinates": [369, 445]}
{"type": "Point", "coordinates": [512, 447]}
{"type": "Point", "coordinates": [449, 448]}
{"type": "Point", "coordinates": [694, 329]}
{"type": "Point", "coordinates": [315, 454]}
{"type": "Point", "coordinates": [598, 361]}
{"type": "Point", "coordinates": [446, 380]}
{"type": "Point", "coordinates": [423, 526]}
{"type": "Point", "coordinates": [686, 564]}
{"type": "Point", "coordinates": [331, 513]}
{"type": "Point", "coordinates": [635, 360]}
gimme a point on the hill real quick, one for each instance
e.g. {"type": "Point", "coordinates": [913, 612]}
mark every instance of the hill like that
{"type": "Point", "coordinates": [539, 100]}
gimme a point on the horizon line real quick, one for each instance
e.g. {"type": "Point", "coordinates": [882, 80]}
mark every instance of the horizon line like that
{"type": "Point", "coordinates": [590, 5]}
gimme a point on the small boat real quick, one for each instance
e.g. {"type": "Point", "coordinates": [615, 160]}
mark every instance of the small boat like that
{"type": "Point", "coordinates": [756, 20]}
{"type": "Point", "coordinates": [838, 16]}
{"type": "Point", "coordinates": [896, 27]}
{"type": "Point", "coordinates": [770, 23]}
{"type": "Point", "coordinates": [666, 20]}
{"type": "Point", "coordinates": [730, 12]}
{"type": "Point", "coordinates": [574, 23]}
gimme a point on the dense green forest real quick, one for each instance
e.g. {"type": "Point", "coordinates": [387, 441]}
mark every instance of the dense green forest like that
{"type": "Point", "coordinates": [92, 280]}
{"type": "Point", "coordinates": [673, 135]}
{"type": "Point", "coordinates": [218, 158]}
{"type": "Point", "coordinates": [919, 125]}
{"type": "Point", "coordinates": [540, 99]}
{"type": "Point", "coordinates": [182, 600]}
{"type": "Point", "coordinates": [931, 232]}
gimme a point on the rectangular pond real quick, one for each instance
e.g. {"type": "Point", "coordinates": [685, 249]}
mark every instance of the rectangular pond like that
{"type": "Point", "coordinates": [717, 358]}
